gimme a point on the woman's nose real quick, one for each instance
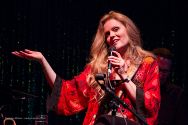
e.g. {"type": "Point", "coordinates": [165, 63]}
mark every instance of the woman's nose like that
{"type": "Point", "coordinates": [112, 34]}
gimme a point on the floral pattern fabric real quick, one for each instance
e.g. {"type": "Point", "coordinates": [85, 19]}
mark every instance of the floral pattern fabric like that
{"type": "Point", "coordinates": [75, 95]}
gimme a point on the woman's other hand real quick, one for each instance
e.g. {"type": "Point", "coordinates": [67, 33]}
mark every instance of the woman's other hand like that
{"type": "Point", "coordinates": [29, 54]}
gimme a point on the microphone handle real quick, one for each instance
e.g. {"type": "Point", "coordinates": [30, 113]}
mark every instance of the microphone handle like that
{"type": "Point", "coordinates": [109, 64]}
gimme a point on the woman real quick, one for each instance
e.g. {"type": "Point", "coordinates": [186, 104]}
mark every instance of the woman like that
{"type": "Point", "coordinates": [131, 64]}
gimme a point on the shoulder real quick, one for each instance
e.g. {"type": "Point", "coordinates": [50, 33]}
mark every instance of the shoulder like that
{"type": "Point", "coordinates": [149, 64]}
{"type": "Point", "coordinates": [149, 60]}
{"type": "Point", "coordinates": [87, 67]}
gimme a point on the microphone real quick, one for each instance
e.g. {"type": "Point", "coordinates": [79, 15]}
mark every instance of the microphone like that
{"type": "Point", "coordinates": [112, 48]}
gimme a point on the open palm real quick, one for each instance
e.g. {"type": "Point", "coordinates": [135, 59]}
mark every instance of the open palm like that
{"type": "Point", "coordinates": [29, 54]}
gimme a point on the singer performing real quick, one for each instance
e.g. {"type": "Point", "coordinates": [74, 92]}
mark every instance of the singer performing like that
{"type": "Point", "coordinates": [132, 74]}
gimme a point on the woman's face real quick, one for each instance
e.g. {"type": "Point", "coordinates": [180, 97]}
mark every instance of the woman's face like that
{"type": "Point", "coordinates": [116, 34]}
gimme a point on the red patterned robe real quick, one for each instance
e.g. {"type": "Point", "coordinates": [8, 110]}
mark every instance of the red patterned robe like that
{"type": "Point", "coordinates": [72, 96]}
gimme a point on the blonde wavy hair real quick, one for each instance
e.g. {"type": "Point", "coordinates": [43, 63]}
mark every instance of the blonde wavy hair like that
{"type": "Point", "coordinates": [99, 49]}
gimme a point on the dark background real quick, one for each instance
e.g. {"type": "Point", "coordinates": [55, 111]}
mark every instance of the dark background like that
{"type": "Point", "coordinates": [62, 30]}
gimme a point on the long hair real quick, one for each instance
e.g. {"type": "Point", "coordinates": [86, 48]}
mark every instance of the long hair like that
{"type": "Point", "coordinates": [99, 48]}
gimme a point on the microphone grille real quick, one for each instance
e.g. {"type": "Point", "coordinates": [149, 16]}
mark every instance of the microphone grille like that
{"type": "Point", "coordinates": [112, 48]}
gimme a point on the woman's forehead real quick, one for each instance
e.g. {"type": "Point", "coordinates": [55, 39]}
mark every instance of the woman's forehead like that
{"type": "Point", "coordinates": [111, 23]}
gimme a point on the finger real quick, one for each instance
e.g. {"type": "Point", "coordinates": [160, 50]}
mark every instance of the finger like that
{"type": "Point", "coordinates": [116, 53]}
{"type": "Point", "coordinates": [13, 52]}
{"type": "Point", "coordinates": [28, 51]}
{"type": "Point", "coordinates": [23, 52]}
{"type": "Point", "coordinates": [115, 64]}
{"type": "Point", "coordinates": [113, 58]}
{"type": "Point", "coordinates": [17, 54]}
{"type": "Point", "coordinates": [25, 55]}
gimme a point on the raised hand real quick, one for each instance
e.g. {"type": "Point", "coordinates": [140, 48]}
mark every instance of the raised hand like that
{"type": "Point", "coordinates": [35, 55]}
{"type": "Point", "coordinates": [29, 54]}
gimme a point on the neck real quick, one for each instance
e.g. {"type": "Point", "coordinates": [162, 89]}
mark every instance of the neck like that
{"type": "Point", "coordinates": [122, 50]}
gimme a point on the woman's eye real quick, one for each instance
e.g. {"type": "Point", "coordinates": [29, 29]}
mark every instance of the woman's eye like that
{"type": "Point", "coordinates": [115, 28]}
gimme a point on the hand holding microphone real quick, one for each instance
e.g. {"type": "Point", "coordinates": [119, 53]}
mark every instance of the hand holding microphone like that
{"type": "Point", "coordinates": [118, 63]}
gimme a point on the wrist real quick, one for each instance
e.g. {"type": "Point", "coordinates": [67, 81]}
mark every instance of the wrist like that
{"type": "Point", "coordinates": [121, 70]}
{"type": "Point", "coordinates": [41, 60]}
{"type": "Point", "coordinates": [126, 80]}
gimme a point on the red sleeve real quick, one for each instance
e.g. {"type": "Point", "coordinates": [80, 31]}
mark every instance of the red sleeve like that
{"type": "Point", "coordinates": [152, 91]}
{"type": "Point", "coordinates": [148, 90]}
{"type": "Point", "coordinates": [74, 94]}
